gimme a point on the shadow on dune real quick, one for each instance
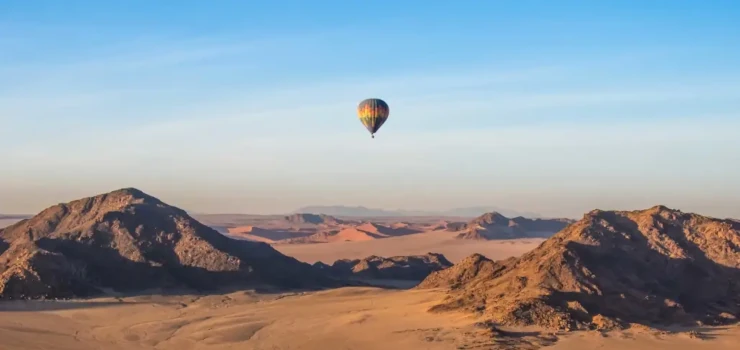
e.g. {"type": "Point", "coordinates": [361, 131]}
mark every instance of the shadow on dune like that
{"type": "Point", "coordinates": [220, 229]}
{"type": "Point", "coordinates": [387, 283]}
{"type": "Point", "coordinates": [396, 231]}
{"type": "Point", "coordinates": [54, 305]}
{"type": "Point", "coordinates": [277, 234]}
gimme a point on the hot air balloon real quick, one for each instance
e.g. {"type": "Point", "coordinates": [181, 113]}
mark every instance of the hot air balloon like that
{"type": "Point", "coordinates": [373, 112]}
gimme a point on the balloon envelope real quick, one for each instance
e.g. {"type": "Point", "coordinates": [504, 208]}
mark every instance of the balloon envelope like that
{"type": "Point", "coordinates": [373, 112]}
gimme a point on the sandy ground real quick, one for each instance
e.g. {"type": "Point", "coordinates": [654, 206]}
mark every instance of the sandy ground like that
{"type": "Point", "coordinates": [434, 242]}
{"type": "Point", "coordinates": [346, 318]}
{"type": "Point", "coordinates": [719, 338]}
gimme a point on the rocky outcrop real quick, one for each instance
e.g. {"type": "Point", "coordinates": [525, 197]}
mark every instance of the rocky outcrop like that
{"type": "Point", "coordinates": [127, 240]}
{"type": "Point", "coordinates": [315, 219]}
{"type": "Point", "coordinates": [415, 267]}
{"type": "Point", "coordinates": [609, 269]}
{"type": "Point", "coordinates": [491, 226]}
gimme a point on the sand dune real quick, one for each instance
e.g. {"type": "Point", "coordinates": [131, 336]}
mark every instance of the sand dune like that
{"type": "Point", "coordinates": [353, 234]}
{"type": "Point", "coordinates": [392, 230]}
{"type": "Point", "coordinates": [346, 318]}
{"type": "Point", "coordinates": [708, 339]}
{"type": "Point", "coordinates": [259, 234]}
{"type": "Point", "coordinates": [353, 318]}
{"type": "Point", "coordinates": [417, 244]}
{"type": "Point", "coordinates": [349, 234]}
{"type": "Point", "coordinates": [309, 228]}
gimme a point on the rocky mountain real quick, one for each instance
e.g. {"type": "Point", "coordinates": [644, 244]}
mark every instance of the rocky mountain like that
{"type": "Point", "coordinates": [494, 225]}
{"type": "Point", "coordinates": [129, 241]}
{"type": "Point", "coordinates": [455, 226]}
{"type": "Point", "coordinates": [315, 219]}
{"type": "Point", "coordinates": [415, 267]}
{"type": "Point", "coordinates": [607, 270]}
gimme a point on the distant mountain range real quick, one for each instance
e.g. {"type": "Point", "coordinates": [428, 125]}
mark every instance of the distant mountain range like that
{"type": "Point", "coordinates": [14, 216]}
{"type": "Point", "coordinates": [360, 211]}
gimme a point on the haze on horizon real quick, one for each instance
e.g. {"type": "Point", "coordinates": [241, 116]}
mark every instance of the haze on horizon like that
{"type": "Point", "coordinates": [238, 107]}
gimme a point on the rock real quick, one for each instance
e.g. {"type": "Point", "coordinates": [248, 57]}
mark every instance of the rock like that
{"type": "Point", "coordinates": [652, 266]}
{"type": "Point", "coordinates": [129, 241]}
{"type": "Point", "coordinates": [496, 226]}
{"type": "Point", "coordinates": [415, 267]}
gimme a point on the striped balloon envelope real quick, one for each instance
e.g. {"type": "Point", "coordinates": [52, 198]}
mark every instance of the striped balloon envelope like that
{"type": "Point", "coordinates": [373, 112]}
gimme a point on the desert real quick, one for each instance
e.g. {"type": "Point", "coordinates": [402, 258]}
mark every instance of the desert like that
{"type": "Point", "coordinates": [357, 175]}
{"type": "Point", "coordinates": [354, 318]}
{"type": "Point", "coordinates": [304, 236]}
{"type": "Point", "coordinates": [126, 270]}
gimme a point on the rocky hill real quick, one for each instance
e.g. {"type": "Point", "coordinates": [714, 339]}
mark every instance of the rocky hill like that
{"type": "Point", "coordinates": [415, 267]}
{"type": "Point", "coordinates": [455, 226]}
{"type": "Point", "coordinates": [493, 225]}
{"type": "Point", "coordinates": [129, 241]}
{"type": "Point", "coordinates": [315, 219]}
{"type": "Point", "coordinates": [609, 269]}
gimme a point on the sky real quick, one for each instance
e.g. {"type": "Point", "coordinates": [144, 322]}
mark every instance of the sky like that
{"type": "Point", "coordinates": [250, 106]}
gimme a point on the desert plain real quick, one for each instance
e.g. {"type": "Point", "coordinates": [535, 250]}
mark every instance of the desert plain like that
{"type": "Point", "coordinates": [344, 318]}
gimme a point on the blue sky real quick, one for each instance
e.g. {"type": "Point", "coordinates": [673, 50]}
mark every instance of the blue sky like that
{"type": "Point", "coordinates": [246, 106]}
